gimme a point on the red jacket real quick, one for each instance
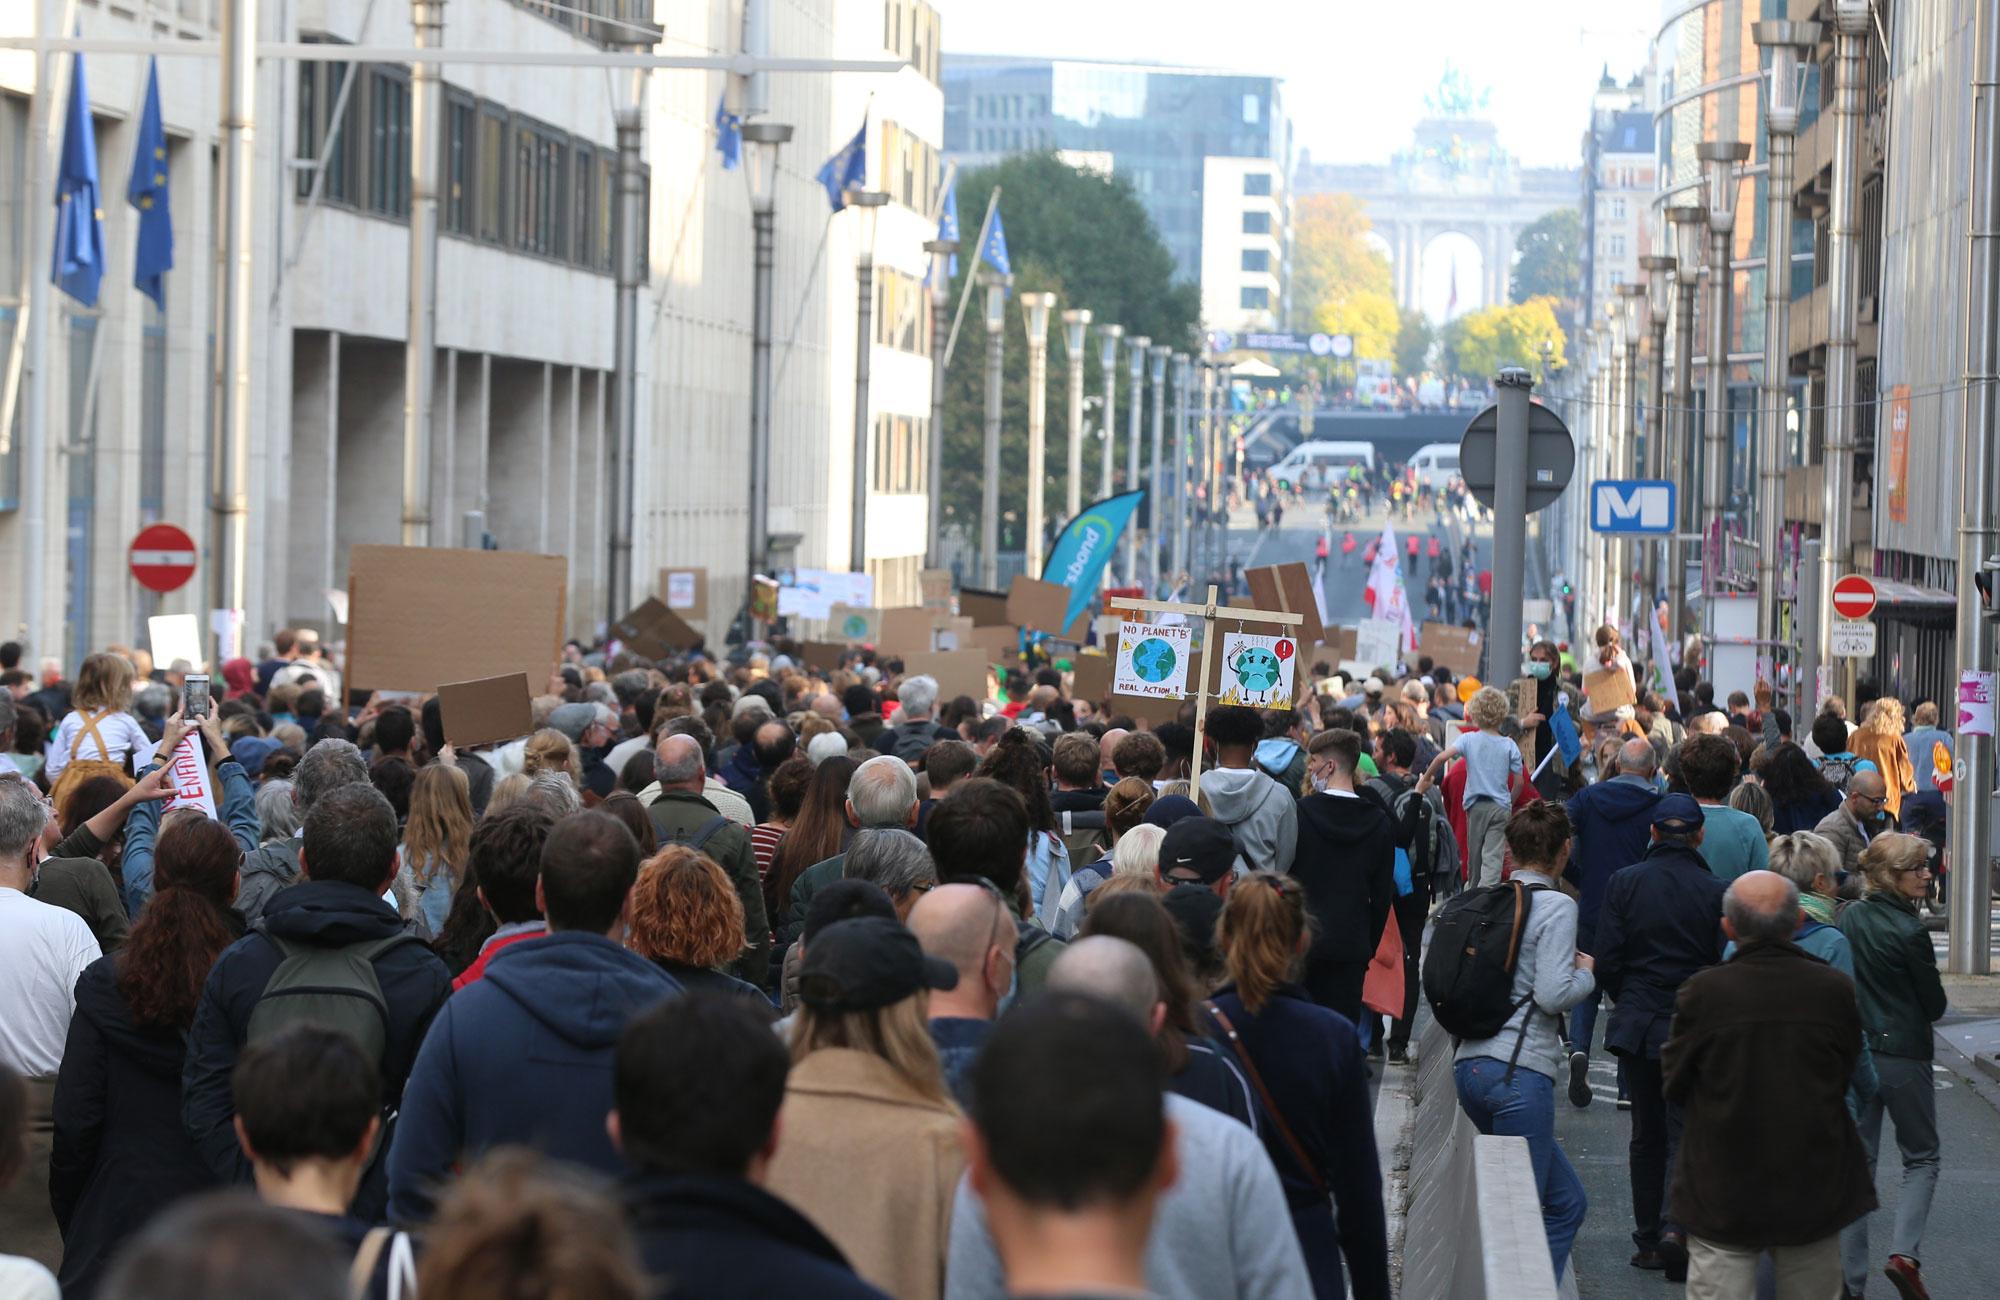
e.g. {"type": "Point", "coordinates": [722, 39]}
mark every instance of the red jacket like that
{"type": "Point", "coordinates": [1452, 787]}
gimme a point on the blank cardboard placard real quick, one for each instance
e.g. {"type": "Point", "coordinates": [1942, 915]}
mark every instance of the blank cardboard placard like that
{"type": "Point", "coordinates": [1524, 696]}
{"type": "Point", "coordinates": [824, 655]}
{"type": "Point", "coordinates": [1036, 605]}
{"type": "Point", "coordinates": [652, 631]}
{"type": "Point", "coordinates": [175, 637]}
{"type": "Point", "coordinates": [906, 630]}
{"type": "Point", "coordinates": [1289, 588]}
{"type": "Point", "coordinates": [984, 608]}
{"type": "Point", "coordinates": [958, 672]}
{"type": "Point", "coordinates": [1608, 689]}
{"type": "Point", "coordinates": [1457, 648]}
{"type": "Point", "coordinates": [1001, 642]}
{"type": "Point", "coordinates": [934, 589]}
{"type": "Point", "coordinates": [488, 710]}
{"type": "Point", "coordinates": [685, 590]}
{"type": "Point", "coordinates": [1150, 711]}
{"type": "Point", "coordinates": [1338, 645]}
{"type": "Point", "coordinates": [418, 616]}
{"type": "Point", "coordinates": [952, 633]}
{"type": "Point", "coordinates": [1090, 678]}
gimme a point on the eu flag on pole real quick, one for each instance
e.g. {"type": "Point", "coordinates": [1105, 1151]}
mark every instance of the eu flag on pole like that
{"type": "Point", "coordinates": [146, 190]}
{"type": "Point", "coordinates": [78, 264]}
{"type": "Point", "coordinates": [847, 169]}
{"type": "Point", "coordinates": [948, 220]}
{"type": "Point", "coordinates": [728, 133]}
{"type": "Point", "coordinates": [994, 251]}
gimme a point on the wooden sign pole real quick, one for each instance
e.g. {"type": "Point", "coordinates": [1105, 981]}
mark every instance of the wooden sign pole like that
{"type": "Point", "coordinates": [1207, 614]}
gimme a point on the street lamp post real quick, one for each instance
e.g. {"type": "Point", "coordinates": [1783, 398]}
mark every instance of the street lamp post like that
{"type": "Point", "coordinates": [1850, 32]}
{"type": "Point", "coordinates": [1140, 348]}
{"type": "Point", "coordinates": [941, 251]}
{"type": "Point", "coordinates": [764, 139]}
{"type": "Point", "coordinates": [1632, 308]}
{"type": "Point", "coordinates": [420, 353]}
{"type": "Point", "coordinates": [867, 206]}
{"type": "Point", "coordinates": [1786, 41]}
{"type": "Point", "coordinates": [1719, 159]}
{"type": "Point", "coordinates": [1107, 360]}
{"type": "Point", "coordinates": [989, 487]}
{"type": "Point", "coordinates": [1689, 223]}
{"type": "Point", "coordinates": [1035, 308]}
{"type": "Point", "coordinates": [1076, 323]}
{"type": "Point", "coordinates": [1183, 384]}
{"type": "Point", "coordinates": [1659, 269]}
{"type": "Point", "coordinates": [1158, 356]}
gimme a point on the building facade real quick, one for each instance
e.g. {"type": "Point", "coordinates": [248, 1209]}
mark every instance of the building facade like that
{"type": "Point", "coordinates": [1619, 178]}
{"type": "Point", "coordinates": [523, 431]}
{"type": "Point", "coordinates": [1245, 248]}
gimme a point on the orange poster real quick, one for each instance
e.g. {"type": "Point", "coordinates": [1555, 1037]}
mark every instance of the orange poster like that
{"type": "Point", "coordinates": [1898, 477]}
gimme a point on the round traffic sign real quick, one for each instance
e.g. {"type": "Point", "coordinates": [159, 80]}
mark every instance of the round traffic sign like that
{"type": "Point", "coordinates": [1853, 597]}
{"type": "Point", "coordinates": [162, 557]}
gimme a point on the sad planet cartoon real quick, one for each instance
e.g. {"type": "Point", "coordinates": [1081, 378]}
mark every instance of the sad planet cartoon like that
{"type": "Point", "coordinates": [1256, 668]}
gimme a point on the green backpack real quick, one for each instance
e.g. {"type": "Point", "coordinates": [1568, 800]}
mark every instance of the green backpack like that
{"type": "Point", "coordinates": [333, 987]}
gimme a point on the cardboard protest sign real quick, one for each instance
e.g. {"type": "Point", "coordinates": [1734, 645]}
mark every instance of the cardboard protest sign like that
{"type": "Point", "coordinates": [1090, 678]}
{"type": "Point", "coordinates": [485, 711]}
{"type": "Point", "coordinates": [685, 590]}
{"type": "Point", "coordinates": [1288, 588]}
{"type": "Point", "coordinates": [984, 608]}
{"type": "Point", "coordinates": [1376, 642]}
{"type": "Point", "coordinates": [1457, 648]}
{"type": "Point", "coordinates": [652, 631]}
{"type": "Point", "coordinates": [907, 630]}
{"type": "Point", "coordinates": [1256, 671]}
{"type": "Point", "coordinates": [854, 623]}
{"type": "Point", "coordinates": [1523, 698]}
{"type": "Point", "coordinates": [1000, 643]}
{"type": "Point", "coordinates": [1339, 644]}
{"type": "Point", "coordinates": [175, 637]}
{"type": "Point", "coordinates": [824, 655]}
{"type": "Point", "coordinates": [422, 615]}
{"type": "Point", "coordinates": [763, 599]}
{"type": "Point", "coordinates": [1152, 660]}
{"type": "Point", "coordinates": [1039, 607]}
{"type": "Point", "coordinates": [958, 672]}
{"type": "Point", "coordinates": [1152, 712]}
{"type": "Point", "coordinates": [187, 772]}
{"type": "Point", "coordinates": [1608, 689]}
{"type": "Point", "coordinates": [934, 590]}
{"type": "Point", "coordinates": [954, 633]}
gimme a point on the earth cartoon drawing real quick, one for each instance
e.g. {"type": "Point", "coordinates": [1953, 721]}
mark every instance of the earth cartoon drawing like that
{"type": "Point", "coordinates": [1153, 660]}
{"type": "Point", "coordinates": [1256, 668]}
{"type": "Point", "coordinates": [855, 627]}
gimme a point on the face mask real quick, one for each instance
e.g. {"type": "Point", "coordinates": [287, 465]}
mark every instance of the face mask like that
{"type": "Point", "coordinates": [1538, 669]}
{"type": "Point", "coordinates": [1319, 784]}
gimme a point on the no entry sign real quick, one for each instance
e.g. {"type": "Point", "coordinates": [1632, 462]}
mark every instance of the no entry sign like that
{"type": "Point", "coordinates": [1854, 597]}
{"type": "Point", "coordinates": [162, 557]}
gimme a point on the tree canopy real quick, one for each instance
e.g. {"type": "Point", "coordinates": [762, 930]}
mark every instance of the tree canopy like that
{"type": "Point", "coordinates": [1332, 259]}
{"type": "Point", "coordinates": [1479, 344]}
{"type": "Point", "coordinates": [1551, 258]}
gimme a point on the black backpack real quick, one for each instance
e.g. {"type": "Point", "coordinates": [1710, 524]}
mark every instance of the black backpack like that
{"type": "Point", "coordinates": [698, 838]}
{"type": "Point", "coordinates": [1469, 966]}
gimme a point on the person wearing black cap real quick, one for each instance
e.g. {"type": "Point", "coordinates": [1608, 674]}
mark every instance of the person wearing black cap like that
{"type": "Point", "coordinates": [1661, 922]}
{"type": "Point", "coordinates": [1198, 851]}
{"type": "Point", "coordinates": [866, 1106]}
{"type": "Point", "coordinates": [1347, 862]}
{"type": "Point", "coordinates": [841, 900]}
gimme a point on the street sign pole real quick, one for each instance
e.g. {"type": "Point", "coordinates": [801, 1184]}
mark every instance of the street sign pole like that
{"type": "Point", "coordinates": [1510, 524]}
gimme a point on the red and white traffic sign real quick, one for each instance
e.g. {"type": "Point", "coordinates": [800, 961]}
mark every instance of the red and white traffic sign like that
{"type": "Point", "coordinates": [162, 557]}
{"type": "Point", "coordinates": [1854, 597]}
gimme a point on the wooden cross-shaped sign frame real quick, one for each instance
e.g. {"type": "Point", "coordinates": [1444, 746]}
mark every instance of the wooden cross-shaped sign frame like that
{"type": "Point", "coordinates": [1208, 614]}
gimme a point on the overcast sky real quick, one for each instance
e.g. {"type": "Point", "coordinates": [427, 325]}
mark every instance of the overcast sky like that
{"type": "Point", "coordinates": [1355, 71]}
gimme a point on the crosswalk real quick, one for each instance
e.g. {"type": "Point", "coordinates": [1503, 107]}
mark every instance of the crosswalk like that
{"type": "Point", "coordinates": [1940, 940]}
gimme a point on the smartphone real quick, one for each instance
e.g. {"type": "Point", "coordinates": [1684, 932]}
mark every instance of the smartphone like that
{"type": "Point", "coordinates": [194, 701]}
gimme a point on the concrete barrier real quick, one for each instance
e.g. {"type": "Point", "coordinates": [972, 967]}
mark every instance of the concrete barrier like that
{"type": "Point", "coordinates": [1472, 1221]}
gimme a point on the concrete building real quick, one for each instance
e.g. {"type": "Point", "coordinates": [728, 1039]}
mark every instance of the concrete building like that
{"type": "Point", "coordinates": [1157, 125]}
{"type": "Point", "coordinates": [523, 424]}
{"type": "Point", "coordinates": [1620, 172]}
{"type": "Point", "coordinates": [1245, 245]}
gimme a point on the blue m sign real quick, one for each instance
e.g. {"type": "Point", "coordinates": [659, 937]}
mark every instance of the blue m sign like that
{"type": "Point", "coordinates": [1639, 505]}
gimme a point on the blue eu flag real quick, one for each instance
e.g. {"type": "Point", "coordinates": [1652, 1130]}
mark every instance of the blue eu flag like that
{"type": "Point", "coordinates": [948, 221]}
{"type": "Point", "coordinates": [728, 134]}
{"type": "Point", "coordinates": [78, 265]}
{"type": "Point", "coordinates": [146, 190]}
{"type": "Point", "coordinates": [847, 169]}
{"type": "Point", "coordinates": [994, 251]}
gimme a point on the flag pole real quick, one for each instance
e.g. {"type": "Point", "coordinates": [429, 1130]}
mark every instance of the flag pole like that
{"type": "Point", "coordinates": [965, 294]}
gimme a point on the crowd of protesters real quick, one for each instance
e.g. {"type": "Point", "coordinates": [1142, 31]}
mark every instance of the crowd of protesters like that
{"type": "Point", "coordinates": [742, 977]}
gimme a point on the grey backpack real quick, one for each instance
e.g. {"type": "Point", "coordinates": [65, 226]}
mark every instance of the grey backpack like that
{"type": "Point", "coordinates": [336, 988]}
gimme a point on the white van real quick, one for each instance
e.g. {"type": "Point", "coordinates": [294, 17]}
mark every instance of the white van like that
{"type": "Point", "coordinates": [1315, 464]}
{"type": "Point", "coordinates": [1435, 463]}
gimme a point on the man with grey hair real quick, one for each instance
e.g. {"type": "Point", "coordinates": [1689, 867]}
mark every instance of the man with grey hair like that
{"type": "Point", "coordinates": [43, 949]}
{"type": "Point", "coordinates": [327, 767]}
{"type": "Point", "coordinates": [915, 730]}
{"type": "Point", "coordinates": [686, 813]}
{"type": "Point", "coordinates": [1612, 825]}
{"type": "Point", "coordinates": [882, 793]}
{"type": "Point", "coordinates": [727, 802]}
{"type": "Point", "coordinates": [1209, 1235]}
{"type": "Point", "coordinates": [896, 862]}
{"type": "Point", "coordinates": [1777, 1167]}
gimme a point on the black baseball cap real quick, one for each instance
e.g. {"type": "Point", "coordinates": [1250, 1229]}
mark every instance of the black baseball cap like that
{"type": "Point", "coordinates": [843, 900]}
{"type": "Point", "coordinates": [1678, 814]}
{"type": "Point", "coordinates": [866, 963]}
{"type": "Point", "coordinates": [1197, 849]}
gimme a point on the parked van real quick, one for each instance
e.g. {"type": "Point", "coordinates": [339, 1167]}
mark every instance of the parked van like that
{"type": "Point", "coordinates": [1435, 463]}
{"type": "Point", "coordinates": [1316, 464]}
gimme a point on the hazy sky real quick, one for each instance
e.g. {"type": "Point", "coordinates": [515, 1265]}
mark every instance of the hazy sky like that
{"type": "Point", "coordinates": [1355, 71]}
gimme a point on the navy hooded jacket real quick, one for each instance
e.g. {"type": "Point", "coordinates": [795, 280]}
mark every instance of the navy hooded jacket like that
{"type": "Point", "coordinates": [522, 1057]}
{"type": "Point", "coordinates": [1613, 825]}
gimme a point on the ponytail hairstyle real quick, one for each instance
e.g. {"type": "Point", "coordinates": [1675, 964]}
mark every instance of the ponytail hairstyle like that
{"type": "Point", "coordinates": [185, 927]}
{"type": "Point", "coordinates": [1262, 932]}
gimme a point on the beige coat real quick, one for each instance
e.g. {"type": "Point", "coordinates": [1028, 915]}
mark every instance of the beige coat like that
{"type": "Point", "coordinates": [873, 1164]}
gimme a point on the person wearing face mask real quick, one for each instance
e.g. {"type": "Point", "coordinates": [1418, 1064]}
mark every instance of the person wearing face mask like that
{"type": "Point", "coordinates": [1346, 860]}
{"type": "Point", "coordinates": [1543, 658]}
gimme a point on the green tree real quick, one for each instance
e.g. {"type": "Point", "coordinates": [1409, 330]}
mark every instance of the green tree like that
{"type": "Point", "coordinates": [1479, 344]}
{"type": "Point", "coordinates": [1332, 259]}
{"type": "Point", "coordinates": [1414, 337]}
{"type": "Point", "coordinates": [1369, 318]}
{"type": "Point", "coordinates": [1550, 264]}
{"type": "Point", "coordinates": [1085, 237]}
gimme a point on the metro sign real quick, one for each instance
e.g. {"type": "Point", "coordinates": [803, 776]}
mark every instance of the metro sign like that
{"type": "Point", "coordinates": [1633, 506]}
{"type": "Point", "coordinates": [1853, 597]}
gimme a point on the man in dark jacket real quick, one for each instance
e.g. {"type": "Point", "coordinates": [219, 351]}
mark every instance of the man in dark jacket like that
{"type": "Point", "coordinates": [349, 855]}
{"type": "Point", "coordinates": [524, 1056]}
{"type": "Point", "coordinates": [915, 730]}
{"type": "Point", "coordinates": [327, 767]}
{"type": "Point", "coordinates": [1394, 754]}
{"type": "Point", "coordinates": [1759, 1058]}
{"type": "Point", "coordinates": [681, 815]}
{"type": "Point", "coordinates": [698, 1085]}
{"type": "Point", "coordinates": [1612, 823]}
{"type": "Point", "coordinates": [1346, 860]}
{"type": "Point", "coordinates": [1660, 924]}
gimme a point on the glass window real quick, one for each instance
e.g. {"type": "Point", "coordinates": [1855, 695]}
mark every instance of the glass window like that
{"type": "Point", "coordinates": [319, 137]}
{"type": "Point", "coordinates": [388, 143]}
{"type": "Point", "coordinates": [1256, 259]}
{"type": "Point", "coordinates": [583, 223]}
{"type": "Point", "coordinates": [1253, 110]}
{"type": "Point", "coordinates": [1257, 184]}
{"type": "Point", "coordinates": [1618, 245]}
{"type": "Point", "coordinates": [461, 122]}
{"type": "Point", "coordinates": [1256, 223]}
{"type": "Point", "coordinates": [491, 176]}
{"type": "Point", "coordinates": [1617, 209]}
{"type": "Point", "coordinates": [1255, 297]}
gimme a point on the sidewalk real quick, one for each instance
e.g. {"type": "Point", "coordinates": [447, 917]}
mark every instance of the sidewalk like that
{"type": "Point", "coordinates": [1970, 1032]}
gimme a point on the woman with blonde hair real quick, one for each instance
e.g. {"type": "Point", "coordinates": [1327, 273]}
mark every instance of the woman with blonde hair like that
{"type": "Point", "coordinates": [548, 750]}
{"type": "Point", "coordinates": [866, 1106]}
{"type": "Point", "coordinates": [519, 1227]}
{"type": "Point", "coordinates": [1879, 739]}
{"type": "Point", "coordinates": [687, 919]}
{"type": "Point", "coordinates": [507, 790]}
{"type": "Point", "coordinates": [1125, 808]}
{"type": "Point", "coordinates": [436, 841]}
{"type": "Point", "coordinates": [97, 736]}
{"type": "Point", "coordinates": [1305, 1062]}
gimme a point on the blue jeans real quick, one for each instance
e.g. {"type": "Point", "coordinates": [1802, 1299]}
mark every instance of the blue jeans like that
{"type": "Point", "coordinates": [1525, 1106]}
